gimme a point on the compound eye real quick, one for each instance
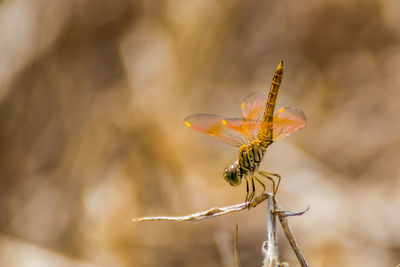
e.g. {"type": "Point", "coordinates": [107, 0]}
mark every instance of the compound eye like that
{"type": "Point", "coordinates": [232, 175]}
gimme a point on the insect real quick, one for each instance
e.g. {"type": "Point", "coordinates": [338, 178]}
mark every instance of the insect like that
{"type": "Point", "coordinates": [253, 133]}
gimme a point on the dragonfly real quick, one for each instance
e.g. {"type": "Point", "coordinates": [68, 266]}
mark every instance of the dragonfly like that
{"type": "Point", "coordinates": [253, 133]}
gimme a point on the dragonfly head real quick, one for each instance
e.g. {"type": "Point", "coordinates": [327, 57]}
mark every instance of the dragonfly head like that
{"type": "Point", "coordinates": [232, 174]}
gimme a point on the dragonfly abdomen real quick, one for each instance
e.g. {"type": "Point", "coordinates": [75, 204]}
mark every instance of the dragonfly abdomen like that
{"type": "Point", "coordinates": [265, 134]}
{"type": "Point", "coordinates": [250, 157]}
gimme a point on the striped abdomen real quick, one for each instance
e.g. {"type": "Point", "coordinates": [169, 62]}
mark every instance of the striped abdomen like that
{"type": "Point", "coordinates": [250, 157]}
{"type": "Point", "coordinates": [265, 133]}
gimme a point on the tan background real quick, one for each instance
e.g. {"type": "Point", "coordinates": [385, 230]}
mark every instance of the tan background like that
{"type": "Point", "coordinates": [92, 98]}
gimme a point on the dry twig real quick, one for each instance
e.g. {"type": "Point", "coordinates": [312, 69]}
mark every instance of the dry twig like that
{"type": "Point", "coordinates": [235, 253]}
{"type": "Point", "coordinates": [269, 247]}
{"type": "Point", "coordinates": [208, 214]}
{"type": "Point", "coordinates": [288, 232]}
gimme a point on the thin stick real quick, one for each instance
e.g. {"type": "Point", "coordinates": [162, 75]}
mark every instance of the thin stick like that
{"type": "Point", "coordinates": [235, 253]}
{"type": "Point", "coordinates": [208, 214]}
{"type": "Point", "coordinates": [269, 248]}
{"type": "Point", "coordinates": [289, 235]}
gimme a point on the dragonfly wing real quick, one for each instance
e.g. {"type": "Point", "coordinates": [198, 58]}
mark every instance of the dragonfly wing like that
{"type": "Point", "coordinates": [253, 108]}
{"type": "Point", "coordinates": [217, 127]}
{"type": "Point", "coordinates": [287, 121]}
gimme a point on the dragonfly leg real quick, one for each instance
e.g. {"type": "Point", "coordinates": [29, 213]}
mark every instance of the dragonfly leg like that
{"type": "Point", "coordinates": [261, 183]}
{"type": "Point", "coordinates": [271, 179]}
{"type": "Point", "coordinates": [247, 190]}
{"type": "Point", "coordinates": [253, 190]}
{"type": "Point", "coordinates": [268, 175]}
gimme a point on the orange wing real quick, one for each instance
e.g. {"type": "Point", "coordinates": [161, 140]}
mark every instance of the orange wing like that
{"type": "Point", "coordinates": [287, 121]}
{"type": "Point", "coordinates": [253, 108]}
{"type": "Point", "coordinates": [236, 131]}
{"type": "Point", "coordinates": [254, 105]}
{"type": "Point", "coordinates": [216, 126]}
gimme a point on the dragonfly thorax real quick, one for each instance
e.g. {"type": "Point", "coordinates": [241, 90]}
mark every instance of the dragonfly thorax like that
{"type": "Point", "coordinates": [251, 155]}
{"type": "Point", "coordinates": [249, 159]}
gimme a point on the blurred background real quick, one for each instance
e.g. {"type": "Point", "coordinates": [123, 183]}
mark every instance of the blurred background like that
{"type": "Point", "coordinates": [92, 99]}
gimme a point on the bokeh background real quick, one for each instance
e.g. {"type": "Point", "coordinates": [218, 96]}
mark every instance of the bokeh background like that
{"type": "Point", "coordinates": [92, 98]}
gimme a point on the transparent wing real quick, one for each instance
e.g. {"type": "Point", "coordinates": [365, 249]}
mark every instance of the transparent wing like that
{"type": "Point", "coordinates": [254, 105]}
{"type": "Point", "coordinates": [287, 121]}
{"type": "Point", "coordinates": [218, 127]}
{"type": "Point", "coordinates": [253, 108]}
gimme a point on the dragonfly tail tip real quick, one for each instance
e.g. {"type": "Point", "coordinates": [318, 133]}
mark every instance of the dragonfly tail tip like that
{"type": "Point", "coordinates": [280, 67]}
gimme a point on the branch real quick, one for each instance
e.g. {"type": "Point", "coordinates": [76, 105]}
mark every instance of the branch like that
{"type": "Point", "coordinates": [208, 214]}
{"type": "Point", "coordinates": [269, 248]}
{"type": "Point", "coordinates": [235, 253]}
{"type": "Point", "coordinates": [288, 232]}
